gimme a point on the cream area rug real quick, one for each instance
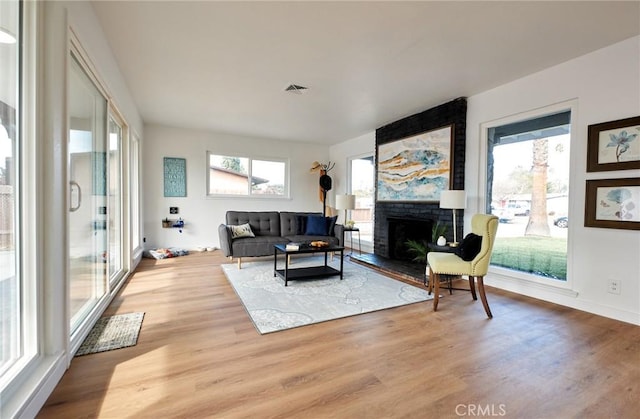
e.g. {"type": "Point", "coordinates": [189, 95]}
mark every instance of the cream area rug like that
{"type": "Point", "coordinates": [274, 307]}
{"type": "Point", "coordinates": [112, 332]}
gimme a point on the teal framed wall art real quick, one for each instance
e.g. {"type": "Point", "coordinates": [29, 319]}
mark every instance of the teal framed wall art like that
{"type": "Point", "coordinates": [175, 177]}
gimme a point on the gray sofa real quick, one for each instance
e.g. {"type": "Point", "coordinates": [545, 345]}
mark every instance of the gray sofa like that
{"type": "Point", "coordinates": [270, 228]}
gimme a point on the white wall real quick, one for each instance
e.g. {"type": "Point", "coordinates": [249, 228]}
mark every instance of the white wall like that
{"type": "Point", "coordinates": [202, 215]}
{"type": "Point", "coordinates": [605, 85]}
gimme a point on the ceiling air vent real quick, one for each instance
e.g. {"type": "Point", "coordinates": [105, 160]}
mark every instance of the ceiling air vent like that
{"type": "Point", "coordinates": [294, 88]}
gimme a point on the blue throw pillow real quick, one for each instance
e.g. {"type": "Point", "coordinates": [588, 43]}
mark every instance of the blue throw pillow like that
{"type": "Point", "coordinates": [316, 226]}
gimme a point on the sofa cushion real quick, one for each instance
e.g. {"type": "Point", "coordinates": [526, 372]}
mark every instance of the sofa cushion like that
{"type": "Point", "coordinates": [256, 246]}
{"type": "Point", "coordinates": [243, 230]}
{"type": "Point", "coordinates": [263, 223]}
{"type": "Point", "coordinates": [301, 224]}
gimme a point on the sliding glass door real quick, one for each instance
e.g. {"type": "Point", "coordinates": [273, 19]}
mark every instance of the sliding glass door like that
{"type": "Point", "coordinates": [88, 194]}
{"type": "Point", "coordinates": [362, 179]}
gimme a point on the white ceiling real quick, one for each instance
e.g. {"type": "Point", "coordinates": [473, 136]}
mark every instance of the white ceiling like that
{"type": "Point", "coordinates": [223, 66]}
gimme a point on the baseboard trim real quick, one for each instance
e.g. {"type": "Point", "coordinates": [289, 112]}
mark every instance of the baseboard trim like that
{"type": "Point", "coordinates": [35, 392]}
{"type": "Point", "coordinates": [561, 296]}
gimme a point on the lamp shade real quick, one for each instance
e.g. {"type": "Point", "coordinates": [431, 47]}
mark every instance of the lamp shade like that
{"type": "Point", "coordinates": [345, 202]}
{"type": "Point", "coordinates": [453, 199]}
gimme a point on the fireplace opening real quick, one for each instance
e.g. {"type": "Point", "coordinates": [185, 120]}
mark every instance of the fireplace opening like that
{"type": "Point", "coordinates": [403, 229]}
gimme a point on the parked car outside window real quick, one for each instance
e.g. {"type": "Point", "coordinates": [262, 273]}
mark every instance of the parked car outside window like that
{"type": "Point", "coordinates": [562, 222]}
{"type": "Point", "coordinates": [519, 209]}
{"type": "Point", "coordinates": [504, 214]}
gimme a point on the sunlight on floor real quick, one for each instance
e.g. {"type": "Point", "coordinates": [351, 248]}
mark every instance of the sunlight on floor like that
{"type": "Point", "coordinates": [143, 370]}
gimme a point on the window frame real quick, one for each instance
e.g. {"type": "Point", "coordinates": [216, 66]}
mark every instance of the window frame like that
{"type": "Point", "coordinates": [135, 230]}
{"type": "Point", "coordinates": [114, 115]}
{"type": "Point", "coordinates": [250, 160]}
{"type": "Point", "coordinates": [27, 247]}
{"type": "Point", "coordinates": [483, 176]}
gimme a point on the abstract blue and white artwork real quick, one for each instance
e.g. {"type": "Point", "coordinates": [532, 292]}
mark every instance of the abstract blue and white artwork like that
{"type": "Point", "coordinates": [416, 168]}
{"type": "Point", "coordinates": [618, 204]}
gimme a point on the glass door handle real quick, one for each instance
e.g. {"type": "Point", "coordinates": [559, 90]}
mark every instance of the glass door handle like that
{"type": "Point", "coordinates": [73, 184]}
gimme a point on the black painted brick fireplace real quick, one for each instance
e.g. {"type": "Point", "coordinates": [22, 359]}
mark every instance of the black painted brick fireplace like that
{"type": "Point", "coordinates": [454, 112]}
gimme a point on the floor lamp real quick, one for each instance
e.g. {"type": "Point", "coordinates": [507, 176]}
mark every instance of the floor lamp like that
{"type": "Point", "coordinates": [345, 202]}
{"type": "Point", "coordinates": [453, 200]}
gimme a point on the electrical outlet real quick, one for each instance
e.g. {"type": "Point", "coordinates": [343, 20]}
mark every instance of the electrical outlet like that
{"type": "Point", "coordinates": [614, 286]}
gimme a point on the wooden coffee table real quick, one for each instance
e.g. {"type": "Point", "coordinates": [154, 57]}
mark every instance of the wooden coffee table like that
{"type": "Point", "coordinates": [310, 272]}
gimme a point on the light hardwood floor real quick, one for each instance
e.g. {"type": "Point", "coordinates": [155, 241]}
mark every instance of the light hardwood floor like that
{"type": "Point", "coordinates": [199, 355]}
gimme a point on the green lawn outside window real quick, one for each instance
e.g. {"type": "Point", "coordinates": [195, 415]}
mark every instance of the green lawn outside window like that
{"type": "Point", "coordinates": [544, 256]}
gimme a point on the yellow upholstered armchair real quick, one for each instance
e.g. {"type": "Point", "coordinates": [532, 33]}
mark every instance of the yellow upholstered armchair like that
{"type": "Point", "coordinates": [441, 263]}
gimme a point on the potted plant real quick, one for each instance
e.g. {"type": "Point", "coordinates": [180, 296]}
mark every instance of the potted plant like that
{"type": "Point", "coordinates": [420, 248]}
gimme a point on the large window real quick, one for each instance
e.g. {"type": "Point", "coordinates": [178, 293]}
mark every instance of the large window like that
{"type": "Point", "coordinates": [17, 314]}
{"type": "Point", "coordinates": [244, 176]}
{"type": "Point", "coordinates": [528, 189]}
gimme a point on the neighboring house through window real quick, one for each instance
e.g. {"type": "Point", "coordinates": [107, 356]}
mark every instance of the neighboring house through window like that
{"type": "Point", "coordinates": [245, 176]}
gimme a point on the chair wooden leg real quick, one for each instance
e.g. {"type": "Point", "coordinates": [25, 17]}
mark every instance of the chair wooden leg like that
{"type": "Point", "coordinates": [431, 275]}
{"type": "Point", "coordinates": [483, 296]}
{"type": "Point", "coordinates": [472, 286]}
{"type": "Point", "coordinates": [436, 292]}
{"type": "Point", "coordinates": [239, 263]}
